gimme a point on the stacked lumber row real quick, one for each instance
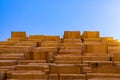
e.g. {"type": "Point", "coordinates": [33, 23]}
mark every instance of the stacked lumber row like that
{"type": "Point", "coordinates": [76, 56]}
{"type": "Point", "coordinates": [43, 38]}
{"type": "Point", "coordinates": [6, 43]}
{"type": "Point", "coordinates": [17, 36]}
{"type": "Point", "coordinates": [12, 56]}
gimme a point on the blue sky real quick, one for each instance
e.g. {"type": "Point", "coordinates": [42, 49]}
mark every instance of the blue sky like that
{"type": "Point", "coordinates": [53, 17]}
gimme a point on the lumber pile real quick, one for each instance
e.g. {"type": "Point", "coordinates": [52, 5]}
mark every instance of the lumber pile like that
{"type": "Point", "coordinates": [75, 56]}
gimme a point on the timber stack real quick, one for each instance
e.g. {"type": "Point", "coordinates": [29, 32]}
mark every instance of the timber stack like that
{"type": "Point", "coordinates": [75, 56]}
